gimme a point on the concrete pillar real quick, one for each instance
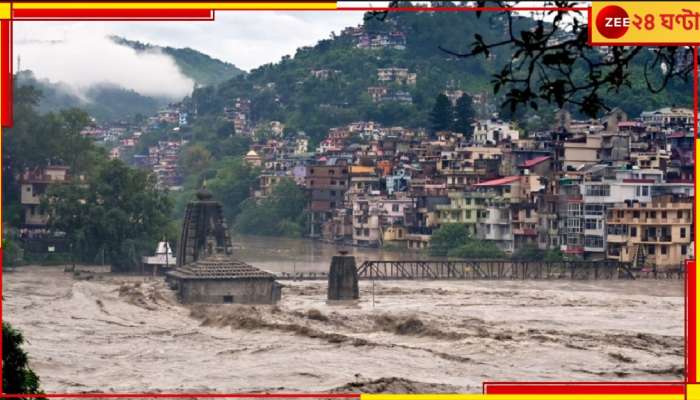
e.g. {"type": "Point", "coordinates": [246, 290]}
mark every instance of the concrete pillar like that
{"type": "Point", "coordinates": [342, 279]}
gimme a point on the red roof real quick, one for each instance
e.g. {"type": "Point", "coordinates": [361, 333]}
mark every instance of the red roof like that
{"type": "Point", "coordinates": [531, 163]}
{"type": "Point", "coordinates": [499, 181]}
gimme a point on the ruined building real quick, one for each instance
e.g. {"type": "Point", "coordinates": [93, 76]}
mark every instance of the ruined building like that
{"type": "Point", "coordinates": [206, 271]}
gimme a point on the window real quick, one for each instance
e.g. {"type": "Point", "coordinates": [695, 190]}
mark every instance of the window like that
{"type": "Point", "coordinates": [598, 190]}
{"type": "Point", "coordinates": [635, 214]}
{"type": "Point", "coordinates": [366, 232]}
{"type": "Point", "coordinates": [332, 193]}
{"type": "Point", "coordinates": [395, 207]}
{"type": "Point", "coordinates": [228, 299]}
{"type": "Point", "coordinates": [591, 223]}
{"type": "Point", "coordinates": [620, 214]}
{"type": "Point", "coordinates": [595, 209]}
{"type": "Point", "coordinates": [594, 241]}
{"type": "Point", "coordinates": [331, 172]}
{"type": "Point", "coordinates": [332, 182]}
{"type": "Point", "coordinates": [682, 232]}
{"type": "Point", "coordinates": [651, 250]}
{"type": "Point", "coordinates": [684, 250]}
{"type": "Point", "coordinates": [664, 249]}
{"type": "Point", "coordinates": [653, 214]}
{"type": "Point", "coordinates": [633, 231]}
{"type": "Point", "coordinates": [680, 214]}
{"type": "Point", "coordinates": [617, 229]}
{"type": "Point", "coordinates": [645, 190]}
{"type": "Point", "coordinates": [664, 215]}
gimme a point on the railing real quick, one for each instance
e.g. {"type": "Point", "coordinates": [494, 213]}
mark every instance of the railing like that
{"type": "Point", "coordinates": [494, 270]}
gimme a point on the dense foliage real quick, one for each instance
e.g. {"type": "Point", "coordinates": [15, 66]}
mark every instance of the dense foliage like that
{"type": "Point", "coordinates": [17, 377]}
{"type": "Point", "coordinates": [103, 102]}
{"type": "Point", "coordinates": [104, 207]}
{"type": "Point", "coordinates": [280, 214]}
{"type": "Point", "coordinates": [454, 240]}
{"type": "Point", "coordinates": [199, 67]}
{"type": "Point", "coordinates": [448, 237]}
{"type": "Point", "coordinates": [118, 213]}
{"type": "Point", "coordinates": [288, 92]}
{"type": "Point", "coordinates": [532, 253]}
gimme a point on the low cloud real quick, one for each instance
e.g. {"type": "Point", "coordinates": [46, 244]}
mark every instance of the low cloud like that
{"type": "Point", "coordinates": [81, 60]}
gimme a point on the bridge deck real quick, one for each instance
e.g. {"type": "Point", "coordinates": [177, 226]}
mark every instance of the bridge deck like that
{"type": "Point", "coordinates": [495, 270]}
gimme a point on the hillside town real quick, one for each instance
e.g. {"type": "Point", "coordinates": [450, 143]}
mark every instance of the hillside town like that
{"type": "Point", "coordinates": [612, 188]}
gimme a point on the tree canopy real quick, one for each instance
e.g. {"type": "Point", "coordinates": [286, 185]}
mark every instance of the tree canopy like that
{"type": "Point", "coordinates": [17, 376]}
{"type": "Point", "coordinates": [118, 212]}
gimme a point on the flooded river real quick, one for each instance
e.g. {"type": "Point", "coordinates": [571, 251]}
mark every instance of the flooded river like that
{"type": "Point", "coordinates": [304, 255]}
{"type": "Point", "coordinates": [128, 334]}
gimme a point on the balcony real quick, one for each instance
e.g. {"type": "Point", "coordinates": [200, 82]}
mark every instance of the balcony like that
{"type": "Point", "coordinates": [655, 239]}
{"type": "Point", "coordinates": [525, 232]}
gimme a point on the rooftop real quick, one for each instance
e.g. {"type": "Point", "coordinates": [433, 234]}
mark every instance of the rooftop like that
{"type": "Point", "coordinates": [499, 181]}
{"type": "Point", "coordinates": [219, 266]}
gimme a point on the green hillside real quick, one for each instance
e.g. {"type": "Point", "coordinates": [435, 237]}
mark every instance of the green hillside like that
{"type": "Point", "coordinates": [201, 68]}
{"type": "Point", "coordinates": [104, 102]}
{"type": "Point", "coordinates": [287, 91]}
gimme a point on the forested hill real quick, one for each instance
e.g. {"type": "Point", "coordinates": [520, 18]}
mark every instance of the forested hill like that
{"type": "Point", "coordinates": [289, 92]}
{"type": "Point", "coordinates": [199, 67]}
{"type": "Point", "coordinates": [105, 102]}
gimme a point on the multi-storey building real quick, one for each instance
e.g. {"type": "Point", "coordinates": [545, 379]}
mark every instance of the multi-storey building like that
{"type": "Point", "coordinates": [651, 233]}
{"type": "Point", "coordinates": [33, 186]}
{"type": "Point", "coordinates": [327, 184]}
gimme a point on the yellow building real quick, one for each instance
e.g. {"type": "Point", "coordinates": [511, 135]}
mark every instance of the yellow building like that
{"type": "Point", "coordinates": [654, 234]}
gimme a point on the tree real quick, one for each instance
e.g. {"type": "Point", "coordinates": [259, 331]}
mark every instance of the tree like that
{"type": "Point", "coordinates": [552, 62]}
{"type": "Point", "coordinates": [17, 377]}
{"type": "Point", "coordinates": [448, 237]}
{"type": "Point", "coordinates": [441, 117]}
{"type": "Point", "coordinates": [281, 214]}
{"type": "Point", "coordinates": [528, 253]}
{"type": "Point", "coordinates": [195, 159]}
{"type": "Point", "coordinates": [477, 249]}
{"type": "Point", "coordinates": [232, 185]}
{"type": "Point", "coordinates": [464, 116]}
{"type": "Point", "coordinates": [119, 213]}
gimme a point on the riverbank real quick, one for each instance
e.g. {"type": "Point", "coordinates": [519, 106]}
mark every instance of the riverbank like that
{"type": "Point", "coordinates": [128, 334]}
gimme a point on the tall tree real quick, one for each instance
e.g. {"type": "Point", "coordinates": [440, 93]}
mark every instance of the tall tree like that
{"type": "Point", "coordinates": [441, 117]}
{"type": "Point", "coordinates": [118, 213]}
{"type": "Point", "coordinates": [464, 116]}
{"type": "Point", "coordinates": [17, 377]}
{"type": "Point", "coordinates": [232, 184]}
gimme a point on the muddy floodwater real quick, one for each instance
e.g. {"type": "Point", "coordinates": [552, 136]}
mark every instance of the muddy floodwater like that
{"type": "Point", "coordinates": [128, 334]}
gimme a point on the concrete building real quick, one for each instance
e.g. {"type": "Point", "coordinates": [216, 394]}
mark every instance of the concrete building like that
{"type": "Point", "coordinates": [33, 185]}
{"type": "Point", "coordinates": [658, 233]}
{"type": "Point", "coordinates": [489, 132]}
{"type": "Point", "coordinates": [327, 184]}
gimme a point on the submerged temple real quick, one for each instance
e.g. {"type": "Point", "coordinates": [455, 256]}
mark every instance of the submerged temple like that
{"type": "Point", "coordinates": [206, 271]}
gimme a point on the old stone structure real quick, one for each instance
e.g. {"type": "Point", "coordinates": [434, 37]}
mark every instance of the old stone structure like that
{"type": "Point", "coordinates": [342, 279]}
{"type": "Point", "coordinates": [206, 271]}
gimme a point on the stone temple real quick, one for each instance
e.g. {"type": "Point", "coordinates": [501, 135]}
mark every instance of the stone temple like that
{"type": "Point", "coordinates": [206, 271]}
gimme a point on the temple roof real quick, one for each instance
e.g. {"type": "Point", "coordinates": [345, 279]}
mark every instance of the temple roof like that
{"type": "Point", "coordinates": [219, 266]}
